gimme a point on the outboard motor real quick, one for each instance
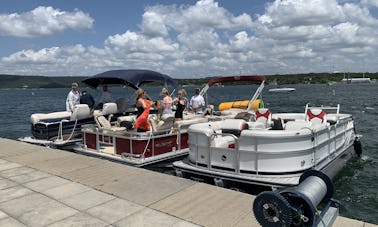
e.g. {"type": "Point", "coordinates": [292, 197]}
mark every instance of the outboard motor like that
{"type": "Point", "coordinates": [297, 206]}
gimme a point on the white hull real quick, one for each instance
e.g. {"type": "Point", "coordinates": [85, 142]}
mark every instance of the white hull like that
{"type": "Point", "coordinates": [51, 143]}
{"type": "Point", "coordinates": [283, 90]}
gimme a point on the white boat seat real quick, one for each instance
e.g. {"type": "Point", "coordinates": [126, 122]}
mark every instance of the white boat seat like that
{"type": "Point", "coordinates": [80, 111]}
{"type": "Point", "coordinates": [316, 116]}
{"type": "Point", "coordinates": [297, 125]}
{"type": "Point", "coordinates": [264, 116]}
{"type": "Point", "coordinates": [223, 141]}
{"type": "Point", "coordinates": [107, 108]}
{"type": "Point", "coordinates": [166, 122]}
{"type": "Point", "coordinates": [233, 126]}
{"type": "Point", "coordinates": [256, 125]}
{"type": "Point", "coordinates": [50, 117]}
{"type": "Point", "coordinates": [186, 123]}
{"type": "Point", "coordinates": [104, 124]}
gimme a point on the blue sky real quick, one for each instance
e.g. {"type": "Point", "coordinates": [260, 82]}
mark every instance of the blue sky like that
{"type": "Point", "coordinates": [187, 39]}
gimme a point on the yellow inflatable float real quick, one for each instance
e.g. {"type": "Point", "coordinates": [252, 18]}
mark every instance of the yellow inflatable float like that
{"type": "Point", "coordinates": [258, 103]}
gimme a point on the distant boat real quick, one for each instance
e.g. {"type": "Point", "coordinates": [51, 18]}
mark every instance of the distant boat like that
{"type": "Point", "coordinates": [358, 80]}
{"type": "Point", "coordinates": [283, 89]}
{"type": "Point", "coordinates": [330, 83]}
{"type": "Point", "coordinates": [280, 89]}
{"type": "Point", "coordinates": [25, 86]}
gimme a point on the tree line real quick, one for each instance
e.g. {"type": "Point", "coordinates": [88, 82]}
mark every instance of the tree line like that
{"type": "Point", "coordinates": [18, 81]}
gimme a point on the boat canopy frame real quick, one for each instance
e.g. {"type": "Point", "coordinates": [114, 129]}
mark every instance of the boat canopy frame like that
{"type": "Point", "coordinates": [229, 79]}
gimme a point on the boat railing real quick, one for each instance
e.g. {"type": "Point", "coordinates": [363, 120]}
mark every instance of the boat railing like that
{"type": "Point", "coordinates": [336, 108]}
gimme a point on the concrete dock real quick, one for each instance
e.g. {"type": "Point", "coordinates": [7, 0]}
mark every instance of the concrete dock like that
{"type": "Point", "coordinates": [40, 186]}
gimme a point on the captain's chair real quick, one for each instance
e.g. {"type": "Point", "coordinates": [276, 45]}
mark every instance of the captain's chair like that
{"type": "Point", "coordinates": [316, 116]}
{"type": "Point", "coordinates": [264, 116]}
{"type": "Point", "coordinates": [105, 124]}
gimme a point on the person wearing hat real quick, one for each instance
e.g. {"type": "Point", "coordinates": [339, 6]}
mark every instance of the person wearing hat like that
{"type": "Point", "coordinates": [166, 103]}
{"type": "Point", "coordinates": [73, 97]}
{"type": "Point", "coordinates": [197, 102]}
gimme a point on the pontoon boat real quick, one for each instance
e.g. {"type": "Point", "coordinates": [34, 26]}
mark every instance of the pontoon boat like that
{"type": "Point", "coordinates": [270, 149]}
{"type": "Point", "coordinates": [63, 129]}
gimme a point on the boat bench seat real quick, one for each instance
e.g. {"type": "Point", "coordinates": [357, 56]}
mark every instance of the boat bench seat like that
{"type": "Point", "coordinates": [186, 123]}
{"type": "Point", "coordinates": [233, 126]}
{"type": "Point", "coordinates": [297, 125]}
{"type": "Point", "coordinates": [50, 117]}
{"type": "Point", "coordinates": [223, 141]}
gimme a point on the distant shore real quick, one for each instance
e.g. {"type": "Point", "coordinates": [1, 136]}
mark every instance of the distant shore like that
{"type": "Point", "coordinates": [18, 81]}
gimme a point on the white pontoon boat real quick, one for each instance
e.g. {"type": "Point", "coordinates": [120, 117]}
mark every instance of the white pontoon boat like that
{"type": "Point", "coordinates": [270, 149]}
{"type": "Point", "coordinates": [63, 129]}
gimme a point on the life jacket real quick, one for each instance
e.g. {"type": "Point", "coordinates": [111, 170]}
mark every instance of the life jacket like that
{"type": "Point", "coordinates": [266, 114]}
{"type": "Point", "coordinates": [311, 115]}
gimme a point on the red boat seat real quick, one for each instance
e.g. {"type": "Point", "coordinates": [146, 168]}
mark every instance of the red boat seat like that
{"type": "Point", "coordinates": [264, 116]}
{"type": "Point", "coordinates": [316, 116]}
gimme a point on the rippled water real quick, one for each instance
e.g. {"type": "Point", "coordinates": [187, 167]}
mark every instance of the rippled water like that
{"type": "Point", "coordinates": [356, 185]}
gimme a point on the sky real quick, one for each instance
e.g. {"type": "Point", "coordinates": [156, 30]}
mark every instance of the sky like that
{"type": "Point", "coordinates": [187, 38]}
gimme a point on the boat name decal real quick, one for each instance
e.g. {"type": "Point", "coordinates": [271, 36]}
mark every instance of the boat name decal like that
{"type": "Point", "coordinates": [164, 144]}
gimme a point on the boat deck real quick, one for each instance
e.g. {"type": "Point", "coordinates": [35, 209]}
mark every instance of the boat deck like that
{"type": "Point", "coordinates": [49, 187]}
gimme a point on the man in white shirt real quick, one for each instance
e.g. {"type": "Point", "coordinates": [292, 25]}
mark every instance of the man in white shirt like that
{"type": "Point", "coordinates": [197, 102]}
{"type": "Point", "coordinates": [73, 97]}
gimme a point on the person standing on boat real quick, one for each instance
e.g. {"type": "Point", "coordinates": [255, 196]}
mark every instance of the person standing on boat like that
{"type": "Point", "coordinates": [181, 103]}
{"type": "Point", "coordinates": [197, 102]}
{"type": "Point", "coordinates": [166, 103]}
{"type": "Point", "coordinates": [73, 97]}
{"type": "Point", "coordinates": [106, 95]}
{"type": "Point", "coordinates": [143, 106]}
{"type": "Point", "coordinates": [140, 101]}
{"type": "Point", "coordinates": [87, 98]}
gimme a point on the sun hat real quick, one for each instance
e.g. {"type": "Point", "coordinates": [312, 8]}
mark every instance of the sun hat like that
{"type": "Point", "coordinates": [74, 84]}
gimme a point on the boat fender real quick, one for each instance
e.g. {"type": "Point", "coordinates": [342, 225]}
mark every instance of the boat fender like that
{"type": "Point", "coordinates": [357, 147]}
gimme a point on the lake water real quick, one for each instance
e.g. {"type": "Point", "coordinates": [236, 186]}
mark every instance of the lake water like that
{"type": "Point", "coordinates": [356, 185]}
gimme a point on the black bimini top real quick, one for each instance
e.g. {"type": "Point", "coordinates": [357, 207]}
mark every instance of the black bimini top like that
{"type": "Point", "coordinates": [129, 77]}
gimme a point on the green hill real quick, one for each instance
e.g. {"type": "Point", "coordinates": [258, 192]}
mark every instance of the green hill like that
{"type": "Point", "coordinates": [15, 81]}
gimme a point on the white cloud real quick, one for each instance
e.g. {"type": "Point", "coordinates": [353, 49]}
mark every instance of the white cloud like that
{"type": "Point", "coordinates": [43, 21]}
{"type": "Point", "coordinates": [205, 39]}
{"type": "Point", "coordinates": [302, 12]}
{"type": "Point", "coordinates": [45, 55]}
{"type": "Point", "coordinates": [153, 24]}
{"type": "Point", "coordinates": [134, 42]}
